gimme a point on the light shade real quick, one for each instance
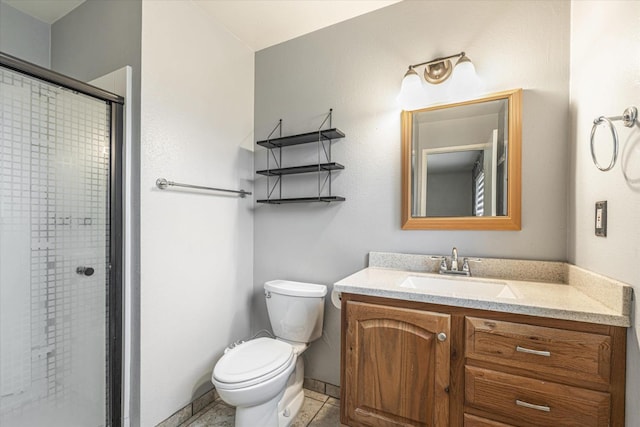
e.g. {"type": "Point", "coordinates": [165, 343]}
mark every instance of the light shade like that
{"type": "Point", "coordinates": [464, 69]}
{"type": "Point", "coordinates": [464, 80]}
{"type": "Point", "coordinates": [412, 91]}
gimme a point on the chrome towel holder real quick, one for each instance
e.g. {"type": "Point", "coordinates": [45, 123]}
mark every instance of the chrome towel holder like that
{"type": "Point", "coordinates": [162, 184]}
{"type": "Point", "coordinates": [628, 118]}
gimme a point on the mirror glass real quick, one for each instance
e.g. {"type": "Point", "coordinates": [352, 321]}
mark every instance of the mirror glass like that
{"type": "Point", "coordinates": [459, 158]}
{"type": "Point", "coordinates": [463, 164]}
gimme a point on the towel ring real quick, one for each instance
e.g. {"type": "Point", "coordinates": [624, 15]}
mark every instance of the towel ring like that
{"type": "Point", "coordinates": [628, 119]}
{"type": "Point", "coordinates": [614, 135]}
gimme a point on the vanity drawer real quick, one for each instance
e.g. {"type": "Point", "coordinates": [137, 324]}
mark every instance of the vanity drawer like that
{"type": "Point", "coordinates": [530, 402]}
{"type": "Point", "coordinates": [473, 421]}
{"type": "Point", "coordinates": [559, 352]}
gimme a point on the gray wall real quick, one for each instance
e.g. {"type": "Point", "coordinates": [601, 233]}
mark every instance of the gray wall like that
{"type": "Point", "coordinates": [96, 38]}
{"type": "Point", "coordinates": [450, 194]}
{"type": "Point", "coordinates": [356, 68]}
{"type": "Point", "coordinates": [23, 36]}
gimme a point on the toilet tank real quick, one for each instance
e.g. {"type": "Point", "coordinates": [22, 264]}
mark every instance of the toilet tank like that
{"type": "Point", "coordinates": [296, 309]}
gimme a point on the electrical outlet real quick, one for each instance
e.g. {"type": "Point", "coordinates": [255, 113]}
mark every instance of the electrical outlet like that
{"type": "Point", "coordinates": [601, 219]}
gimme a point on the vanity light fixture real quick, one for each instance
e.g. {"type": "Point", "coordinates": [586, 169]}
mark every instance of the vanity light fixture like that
{"type": "Point", "coordinates": [415, 94]}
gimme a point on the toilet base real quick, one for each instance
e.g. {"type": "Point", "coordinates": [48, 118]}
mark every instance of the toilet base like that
{"type": "Point", "coordinates": [292, 410]}
{"type": "Point", "coordinates": [281, 410]}
{"type": "Point", "coordinates": [264, 414]}
{"type": "Point", "coordinates": [291, 402]}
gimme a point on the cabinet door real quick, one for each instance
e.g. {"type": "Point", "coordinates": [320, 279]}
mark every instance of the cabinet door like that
{"type": "Point", "coordinates": [396, 366]}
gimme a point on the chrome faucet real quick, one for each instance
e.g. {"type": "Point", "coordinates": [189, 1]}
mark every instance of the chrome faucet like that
{"type": "Point", "coordinates": [455, 269]}
{"type": "Point", "coordinates": [454, 259]}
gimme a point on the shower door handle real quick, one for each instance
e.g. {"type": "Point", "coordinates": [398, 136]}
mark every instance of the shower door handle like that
{"type": "Point", "coordinates": [85, 271]}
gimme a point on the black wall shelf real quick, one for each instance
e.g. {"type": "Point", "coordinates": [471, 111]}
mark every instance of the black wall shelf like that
{"type": "Point", "coordinates": [326, 199]}
{"type": "Point", "coordinates": [303, 138]}
{"type": "Point", "coordinates": [323, 168]}
{"type": "Point", "coordinates": [301, 169]}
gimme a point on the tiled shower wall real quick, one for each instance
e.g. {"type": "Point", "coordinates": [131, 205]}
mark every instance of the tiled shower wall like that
{"type": "Point", "coordinates": [54, 177]}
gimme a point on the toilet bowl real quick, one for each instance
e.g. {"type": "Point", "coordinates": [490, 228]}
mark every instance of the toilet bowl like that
{"type": "Point", "coordinates": [263, 377]}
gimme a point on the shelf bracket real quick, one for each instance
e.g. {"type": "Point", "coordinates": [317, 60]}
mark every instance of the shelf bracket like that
{"type": "Point", "coordinates": [324, 184]}
{"type": "Point", "coordinates": [278, 161]}
{"type": "Point", "coordinates": [270, 190]}
{"type": "Point", "coordinates": [321, 141]}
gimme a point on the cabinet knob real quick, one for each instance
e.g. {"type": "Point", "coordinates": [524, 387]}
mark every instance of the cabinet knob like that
{"type": "Point", "coordinates": [442, 336]}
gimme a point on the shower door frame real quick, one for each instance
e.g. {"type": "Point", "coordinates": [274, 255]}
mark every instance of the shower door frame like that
{"type": "Point", "coordinates": [116, 238]}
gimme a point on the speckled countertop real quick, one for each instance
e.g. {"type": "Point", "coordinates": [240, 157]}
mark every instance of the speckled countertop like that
{"type": "Point", "coordinates": [546, 289]}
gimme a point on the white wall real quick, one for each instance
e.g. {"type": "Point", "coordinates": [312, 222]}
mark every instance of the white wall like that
{"type": "Point", "coordinates": [356, 67]}
{"type": "Point", "coordinates": [196, 248]}
{"type": "Point", "coordinates": [24, 36]}
{"type": "Point", "coordinates": [607, 32]}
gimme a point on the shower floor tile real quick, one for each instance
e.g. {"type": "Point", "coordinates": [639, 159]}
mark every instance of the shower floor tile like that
{"type": "Point", "coordinates": [318, 410]}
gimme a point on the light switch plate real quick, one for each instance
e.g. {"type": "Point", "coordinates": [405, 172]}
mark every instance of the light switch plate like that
{"type": "Point", "coordinates": [601, 219]}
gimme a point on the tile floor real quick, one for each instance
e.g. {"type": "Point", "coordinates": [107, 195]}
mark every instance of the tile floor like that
{"type": "Point", "coordinates": [318, 410]}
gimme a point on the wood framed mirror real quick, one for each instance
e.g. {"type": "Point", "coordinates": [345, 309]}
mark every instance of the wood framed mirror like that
{"type": "Point", "coordinates": [461, 165]}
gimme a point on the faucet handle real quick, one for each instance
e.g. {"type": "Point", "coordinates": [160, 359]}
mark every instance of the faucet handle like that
{"type": "Point", "coordinates": [465, 264]}
{"type": "Point", "coordinates": [443, 262]}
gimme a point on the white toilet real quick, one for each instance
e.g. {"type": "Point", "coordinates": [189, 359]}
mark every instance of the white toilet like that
{"type": "Point", "coordinates": [263, 377]}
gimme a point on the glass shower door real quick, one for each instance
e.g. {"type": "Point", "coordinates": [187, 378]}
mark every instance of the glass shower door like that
{"type": "Point", "coordinates": [54, 254]}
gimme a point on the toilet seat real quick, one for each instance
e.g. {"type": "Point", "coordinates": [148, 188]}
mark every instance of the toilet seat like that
{"type": "Point", "coordinates": [253, 362]}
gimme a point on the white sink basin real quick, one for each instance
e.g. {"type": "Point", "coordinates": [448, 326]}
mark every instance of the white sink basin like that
{"type": "Point", "coordinates": [459, 287]}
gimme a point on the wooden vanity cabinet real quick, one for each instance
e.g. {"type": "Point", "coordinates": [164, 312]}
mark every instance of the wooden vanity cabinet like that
{"type": "Point", "coordinates": [492, 370]}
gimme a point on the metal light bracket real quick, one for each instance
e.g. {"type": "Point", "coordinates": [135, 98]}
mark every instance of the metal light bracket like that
{"type": "Point", "coordinates": [438, 70]}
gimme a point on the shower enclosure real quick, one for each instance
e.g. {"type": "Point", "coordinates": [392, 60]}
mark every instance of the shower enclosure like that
{"type": "Point", "coordinates": [60, 250]}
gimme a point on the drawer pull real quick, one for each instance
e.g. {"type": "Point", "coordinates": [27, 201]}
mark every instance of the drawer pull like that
{"type": "Point", "coordinates": [532, 406]}
{"type": "Point", "coordinates": [536, 352]}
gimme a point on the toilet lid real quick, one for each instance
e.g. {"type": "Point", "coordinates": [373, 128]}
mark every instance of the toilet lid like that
{"type": "Point", "coordinates": [253, 359]}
